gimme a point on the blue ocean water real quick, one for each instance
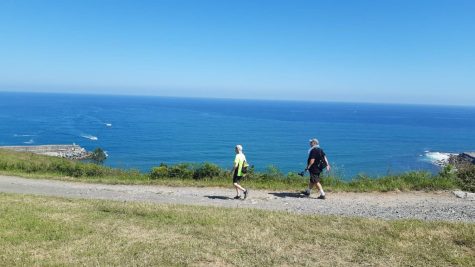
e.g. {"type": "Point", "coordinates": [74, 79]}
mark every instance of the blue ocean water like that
{"type": "Point", "coordinates": [141, 132]}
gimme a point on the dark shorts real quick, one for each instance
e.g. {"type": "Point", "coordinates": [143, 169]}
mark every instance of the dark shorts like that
{"type": "Point", "coordinates": [236, 178]}
{"type": "Point", "coordinates": [315, 178]}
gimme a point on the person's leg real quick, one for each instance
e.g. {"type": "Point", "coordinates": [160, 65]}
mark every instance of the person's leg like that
{"type": "Point", "coordinates": [239, 187]}
{"type": "Point", "coordinates": [236, 185]}
{"type": "Point", "coordinates": [310, 185]}
{"type": "Point", "coordinates": [320, 188]}
{"type": "Point", "coordinates": [309, 188]}
{"type": "Point", "coordinates": [314, 179]}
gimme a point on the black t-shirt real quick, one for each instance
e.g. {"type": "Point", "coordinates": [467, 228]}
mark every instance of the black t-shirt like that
{"type": "Point", "coordinates": [318, 155]}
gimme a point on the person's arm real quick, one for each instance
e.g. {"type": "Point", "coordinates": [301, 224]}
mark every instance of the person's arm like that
{"type": "Point", "coordinates": [310, 164]}
{"type": "Point", "coordinates": [235, 165]}
{"type": "Point", "coordinates": [328, 164]}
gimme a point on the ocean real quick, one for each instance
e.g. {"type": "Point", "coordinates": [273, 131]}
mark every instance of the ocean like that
{"type": "Point", "coordinates": [139, 132]}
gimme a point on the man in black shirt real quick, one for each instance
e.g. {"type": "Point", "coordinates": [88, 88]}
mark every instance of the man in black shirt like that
{"type": "Point", "coordinates": [316, 162]}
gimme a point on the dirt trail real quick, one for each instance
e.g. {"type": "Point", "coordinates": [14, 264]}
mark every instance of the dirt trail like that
{"type": "Point", "coordinates": [395, 205]}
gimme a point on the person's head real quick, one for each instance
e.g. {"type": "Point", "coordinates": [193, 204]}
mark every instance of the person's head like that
{"type": "Point", "coordinates": [238, 149]}
{"type": "Point", "coordinates": [314, 142]}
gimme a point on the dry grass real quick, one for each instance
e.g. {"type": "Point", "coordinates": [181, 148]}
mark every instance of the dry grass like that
{"type": "Point", "coordinates": [57, 231]}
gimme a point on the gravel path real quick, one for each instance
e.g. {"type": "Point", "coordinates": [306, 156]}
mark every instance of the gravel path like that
{"type": "Point", "coordinates": [395, 205]}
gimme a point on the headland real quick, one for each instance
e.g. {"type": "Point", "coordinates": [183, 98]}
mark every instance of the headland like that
{"type": "Point", "coordinates": [63, 151]}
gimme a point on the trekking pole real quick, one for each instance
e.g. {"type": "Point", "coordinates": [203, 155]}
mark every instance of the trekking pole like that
{"type": "Point", "coordinates": [302, 173]}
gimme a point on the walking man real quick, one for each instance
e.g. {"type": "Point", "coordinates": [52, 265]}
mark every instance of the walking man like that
{"type": "Point", "coordinates": [316, 162]}
{"type": "Point", "coordinates": [239, 162]}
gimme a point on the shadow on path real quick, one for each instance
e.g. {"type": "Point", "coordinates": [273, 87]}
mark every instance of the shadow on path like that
{"type": "Point", "coordinates": [288, 194]}
{"type": "Point", "coordinates": [219, 197]}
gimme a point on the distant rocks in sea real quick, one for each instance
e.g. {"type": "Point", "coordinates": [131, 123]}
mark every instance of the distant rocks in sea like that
{"type": "Point", "coordinates": [63, 151]}
{"type": "Point", "coordinates": [462, 159]}
{"type": "Point", "coordinates": [442, 159]}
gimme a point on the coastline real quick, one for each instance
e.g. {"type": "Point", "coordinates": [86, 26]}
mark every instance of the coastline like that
{"type": "Point", "coordinates": [74, 152]}
{"type": "Point", "coordinates": [145, 132]}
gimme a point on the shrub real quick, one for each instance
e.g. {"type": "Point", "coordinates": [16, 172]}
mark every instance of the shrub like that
{"type": "Point", "coordinates": [159, 172]}
{"type": "Point", "coordinates": [206, 170]}
{"type": "Point", "coordinates": [98, 156]}
{"type": "Point", "coordinates": [60, 166]}
{"type": "Point", "coordinates": [93, 170]}
{"type": "Point", "coordinates": [466, 178]}
{"type": "Point", "coordinates": [34, 167]}
{"type": "Point", "coordinates": [182, 170]}
{"type": "Point", "coordinates": [3, 165]}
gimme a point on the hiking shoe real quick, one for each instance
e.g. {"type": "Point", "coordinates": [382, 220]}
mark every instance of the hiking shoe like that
{"type": "Point", "coordinates": [237, 197]}
{"type": "Point", "coordinates": [246, 193]}
{"type": "Point", "coordinates": [307, 194]}
{"type": "Point", "coordinates": [321, 197]}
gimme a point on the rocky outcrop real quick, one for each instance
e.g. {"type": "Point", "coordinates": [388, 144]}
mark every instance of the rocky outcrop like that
{"type": "Point", "coordinates": [63, 151]}
{"type": "Point", "coordinates": [469, 157]}
{"type": "Point", "coordinates": [465, 158]}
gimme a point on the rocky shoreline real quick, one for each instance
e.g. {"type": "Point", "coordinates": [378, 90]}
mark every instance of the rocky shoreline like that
{"type": "Point", "coordinates": [462, 159]}
{"type": "Point", "coordinates": [63, 151]}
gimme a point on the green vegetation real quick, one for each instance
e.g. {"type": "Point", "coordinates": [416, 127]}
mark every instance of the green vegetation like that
{"type": "Point", "coordinates": [466, 177]}
{"type": "Point", "coordinates": [49, 231]}
{"type": "Point", "coordinates": [32, 165]}
{"type": "Point", "coordinates": [98, 156]}
{"type": "Point", "coordinates": [208, 174]}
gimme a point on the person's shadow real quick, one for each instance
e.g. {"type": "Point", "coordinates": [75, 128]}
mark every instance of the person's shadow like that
{"type": "Point", "coordinates": [288, 194]}
{"type": "Point", "coordinates": [219, 197]}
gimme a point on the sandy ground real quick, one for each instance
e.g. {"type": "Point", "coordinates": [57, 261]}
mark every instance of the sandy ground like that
{"type": "Point", "coordinates": [394, 205]}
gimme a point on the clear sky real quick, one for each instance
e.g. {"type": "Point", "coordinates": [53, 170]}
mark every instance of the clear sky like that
{"type": "Point", "coordinates": [412, 51]}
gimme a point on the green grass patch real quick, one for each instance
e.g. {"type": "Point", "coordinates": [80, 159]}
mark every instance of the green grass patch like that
{"type": "Point", "coordinates": [56, 231]}
{"type": "Point", "coordinates": [208, 174]}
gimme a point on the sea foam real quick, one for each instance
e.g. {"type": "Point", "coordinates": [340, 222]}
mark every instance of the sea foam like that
{"type": "Point", "coordinates": [438, 158]}
{"type": "Point", "coordinates": [90, 137]}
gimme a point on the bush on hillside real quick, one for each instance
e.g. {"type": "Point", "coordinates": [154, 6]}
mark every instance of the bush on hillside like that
{"type": "Point", "coordinates": [182, 170]}
{"type": "Point", "coordinates": [159, 172]}
{"type": "Point", "coordinates": [270, 173]}
{"type": "Point", "coordinates": [466, 178]}
{"type": "Point", "coordinates": [207, 170]}
{"type": "Point", "coordinates": [186, 171]}
{"type": "Point", "coordinates": [98, 156]}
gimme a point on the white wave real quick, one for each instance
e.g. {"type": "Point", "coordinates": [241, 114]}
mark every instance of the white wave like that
{"type": "Point", "coordinates": [108, 124]}
{"type": "Point", "coordinates": [438, 158]}
{"type": "Point", "coordinates": [29, 142]}
{"type": "Point", "coordinates": [90, 137]}
{"type": "Point", "coordinates": [23, 135]}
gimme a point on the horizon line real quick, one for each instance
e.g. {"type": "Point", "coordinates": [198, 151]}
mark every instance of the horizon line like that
{"type": "Point", "coordinates": [241, 99]}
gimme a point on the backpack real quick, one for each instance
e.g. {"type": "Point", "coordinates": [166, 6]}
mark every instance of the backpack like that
{"type": "Point", "coordinates": [322, 164]}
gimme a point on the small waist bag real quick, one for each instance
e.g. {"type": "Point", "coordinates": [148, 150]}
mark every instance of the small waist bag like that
{"type": "Point", "coordinates": [245, 166]}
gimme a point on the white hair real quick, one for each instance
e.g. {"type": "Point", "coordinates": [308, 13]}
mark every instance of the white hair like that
{"type": "Point", "coordinates": [239, 148]}
{"type": "Point", "coordinates": [315, 140]}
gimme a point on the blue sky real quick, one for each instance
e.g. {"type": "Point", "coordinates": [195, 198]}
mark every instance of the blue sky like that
{"type": "Point", "coordinates": [353, 51]}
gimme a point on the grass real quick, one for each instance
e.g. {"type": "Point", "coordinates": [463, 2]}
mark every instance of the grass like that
{"type": "Point", "coordinates": [36, 166]}
{"type": "Point", "coordinates": [57, 231]}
